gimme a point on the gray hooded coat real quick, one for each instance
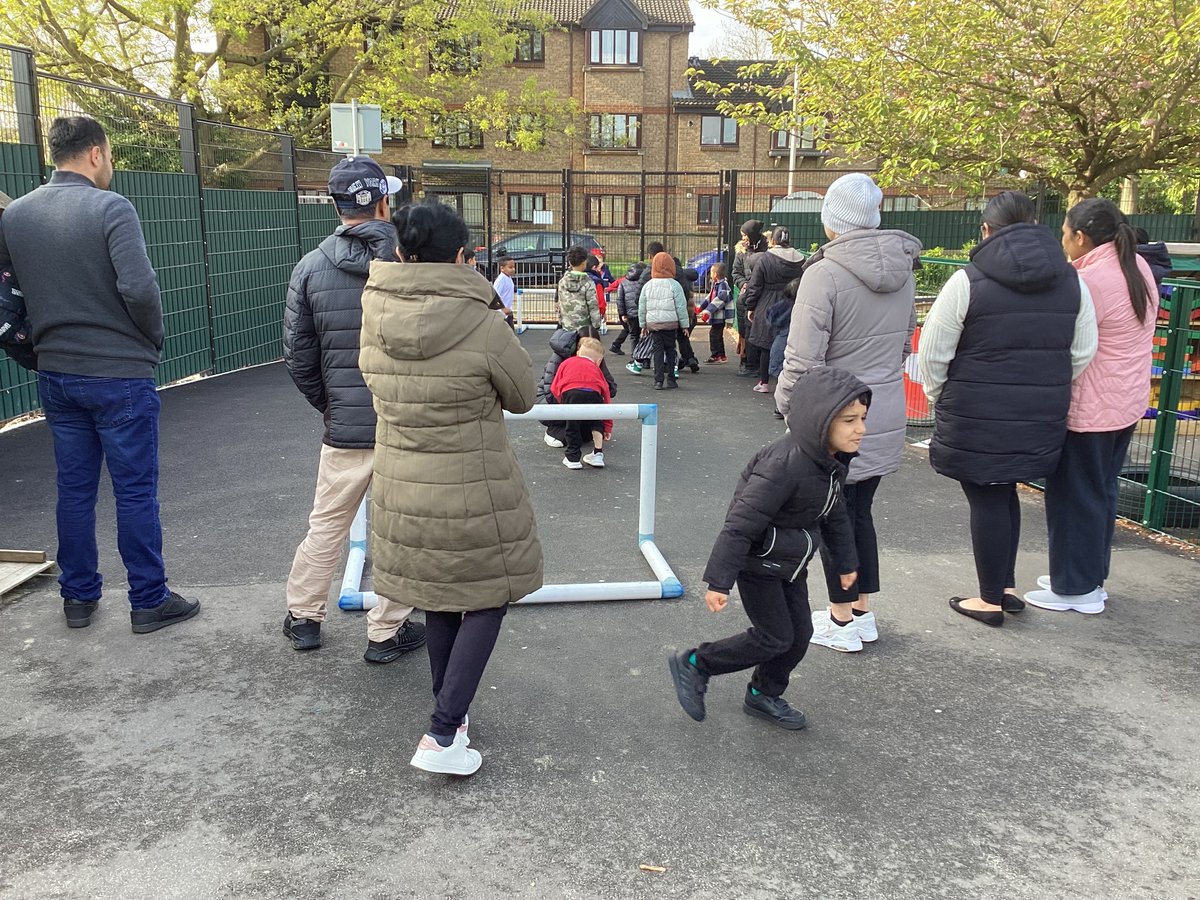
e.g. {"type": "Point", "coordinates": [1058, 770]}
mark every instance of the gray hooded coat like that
{"type": "Point", "coordinates": [855, 311]}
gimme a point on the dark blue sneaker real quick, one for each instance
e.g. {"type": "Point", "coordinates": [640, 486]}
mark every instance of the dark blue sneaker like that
{"type": "Point", "coordinates": [773, 709]}
{"type": "Point", "coordinates": [690, 684]}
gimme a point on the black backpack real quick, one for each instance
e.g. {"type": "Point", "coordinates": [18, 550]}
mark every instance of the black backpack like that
{"type": "Point", "coordinates": [16, 337]}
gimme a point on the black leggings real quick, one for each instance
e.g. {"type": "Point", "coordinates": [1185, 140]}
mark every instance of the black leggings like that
{"type": "Point", "coordinates": [859, 499]}
{"type": "Point", "coordinates": [760, 359]}
{"type": "Point", "coordinates": [460, 645]}
{"type": "Point", "coordinates": [995, 535]}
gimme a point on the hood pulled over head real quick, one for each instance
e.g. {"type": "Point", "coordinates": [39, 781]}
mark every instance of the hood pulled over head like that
{"type": "Point", "coordinates": [1024, 257]}
{"type": "Point", "coordinates": [817, 397]}
{"type": "Point", "coordinates": [662, 266]}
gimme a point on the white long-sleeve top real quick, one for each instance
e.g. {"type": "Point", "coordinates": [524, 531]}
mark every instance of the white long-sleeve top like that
{"type": "Point", "coordinates": [944, 325]}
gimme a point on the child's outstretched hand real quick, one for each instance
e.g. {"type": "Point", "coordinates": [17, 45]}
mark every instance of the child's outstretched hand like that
{"type": "Point", "coordinates": [848, 580]}
{"type": "Point", "coordinates": [716, 601]}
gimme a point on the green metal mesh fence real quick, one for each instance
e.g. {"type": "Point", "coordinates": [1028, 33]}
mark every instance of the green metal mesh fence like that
{"type": "Point", "coordinates": [317, 222]}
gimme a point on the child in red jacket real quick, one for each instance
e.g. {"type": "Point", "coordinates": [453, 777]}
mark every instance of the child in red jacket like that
{"type": "Point", "coordinates": [579, 380]}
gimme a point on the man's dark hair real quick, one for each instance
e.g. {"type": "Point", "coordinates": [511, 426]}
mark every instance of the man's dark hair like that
{"type": "Point", "coordinates": [72, 136]}
{"type": "Point", "coordinates": [503, 261]}
{"type": "Point", "coordinates": [468, 254]}
{"type": "Point", "coordinates": [654, 248]}
{"type": "Point", "coordinates": [576, 255]}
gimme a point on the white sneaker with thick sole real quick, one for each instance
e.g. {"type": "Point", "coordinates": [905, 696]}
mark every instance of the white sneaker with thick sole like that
{"type": "Point", "coordinates": [867, 632]}
{"type": "Point", "coordinates": [827, 633]}
{"type": "Point", "coordinates": [1089, 604]}
{"type": "Point", "coordinates": [576, 464]}
{"type": "Point", "coordinates": [461, 735]}
{"type": "Point", "coordinates": [552, 441]}
{"type": "Point", "coordinates": [457, 759]}
{"type": "Point", "coordinates": [1044, 583]}
{"type": "Point", "coordinates": [595, 459]}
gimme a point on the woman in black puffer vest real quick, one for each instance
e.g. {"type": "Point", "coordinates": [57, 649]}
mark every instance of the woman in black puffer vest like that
{"type": "Point", "coordinates": [999, 350]}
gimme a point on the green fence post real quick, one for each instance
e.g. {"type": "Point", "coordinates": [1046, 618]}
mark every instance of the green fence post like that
{"type": "Point", "coordinates": [1183, 299]}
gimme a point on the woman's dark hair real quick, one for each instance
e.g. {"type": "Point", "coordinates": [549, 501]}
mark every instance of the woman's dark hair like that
{"type": "Point", "coordinates": [576, 255]}
{"type": "Point", "coordinates": [72, 136]}
{"type": "Point", "coordinates": [1009, 208]}
{"type": "Point", "coordinates": [430, 232]}
{"type": "Point", "coordinates": [1104, 223]}
{"type": "Point", "coordinates": [781, 236]}
{"type": "Point", "coordinates": [588, 331]}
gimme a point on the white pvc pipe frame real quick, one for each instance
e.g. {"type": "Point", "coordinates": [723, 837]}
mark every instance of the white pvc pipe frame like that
{"type": "Point", "coordinates": [666, 587]}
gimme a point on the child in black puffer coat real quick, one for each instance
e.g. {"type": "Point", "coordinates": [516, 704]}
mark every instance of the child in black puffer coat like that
{"type": "Point", "coordinates": [563, 345]}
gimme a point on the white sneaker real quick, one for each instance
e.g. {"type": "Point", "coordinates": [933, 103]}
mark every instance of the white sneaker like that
{"type": "Point", "coordinates": [457, 759]}
{"type": "Point", "coordinates": [552, 441]}
{"type": "Point", "coordinates": [572, 465]}
{"type": "Point", "coordinates": [867, 632]}
{"type": "Point", "coordinates": [826, 633]}
{"type": "Point", "coordinates": [595, 459]}
{"type": "Point", "coordinates": [461, 736]}
{"type": "Point", "coordinates": [1044, 583]}
{"type": "Point", "coordinates": [1090, 603]}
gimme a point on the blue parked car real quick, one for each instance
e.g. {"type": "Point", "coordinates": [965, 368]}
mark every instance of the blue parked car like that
{"type": "Point", "coordinates": [702, 262]}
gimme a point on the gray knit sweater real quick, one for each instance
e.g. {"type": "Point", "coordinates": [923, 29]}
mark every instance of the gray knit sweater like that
{"type": "Point", "coordinates": [91, 293]}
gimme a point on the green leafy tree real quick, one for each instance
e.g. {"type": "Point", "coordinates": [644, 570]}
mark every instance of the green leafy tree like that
{"type": "Point", "coordinates": [277, 65]}
{"type": "Point", "coordinates": [1076, 93]}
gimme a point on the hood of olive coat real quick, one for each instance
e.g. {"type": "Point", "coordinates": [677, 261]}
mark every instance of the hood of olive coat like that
{"type": "Point", "coordinates": [452, 527]}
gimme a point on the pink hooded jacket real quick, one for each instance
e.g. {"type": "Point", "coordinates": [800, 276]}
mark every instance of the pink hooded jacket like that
{"type": "Point", "coordinates": [1114, 390]}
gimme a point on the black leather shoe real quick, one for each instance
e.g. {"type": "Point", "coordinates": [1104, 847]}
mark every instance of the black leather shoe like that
{"type": "Point", "coordinates": [690, 684]}
{"type": "Point", "coordinates": [617, 350]}
{"type": "Point", "coordinates": [987, 617]}
{"type": "Point", "coordinates": [173, 609]}
{"type": "Point", "coordinates": [305, 634]}
{"type": "Point", "coordinates": [79, 612]}
{"type": "Point", "coordinates": [773, 709]}
{"type": "Point", "coordinates": [411, 636]}
{"type": "Point", "coordinates": [1012, 603]}
{"type": "Point", "coordinates": [694, 365]}
{"type": "Point", "coordinates": [672, 383]}
{"type": "Point", "coordinates": [658, 385]}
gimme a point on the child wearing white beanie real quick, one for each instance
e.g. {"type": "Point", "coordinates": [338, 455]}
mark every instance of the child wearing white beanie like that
{"type": "Point", "coordinates": [851, 202]}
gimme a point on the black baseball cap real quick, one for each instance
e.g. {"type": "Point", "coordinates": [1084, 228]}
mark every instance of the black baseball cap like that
{"type": "Point", "coordinates": [357, 182]}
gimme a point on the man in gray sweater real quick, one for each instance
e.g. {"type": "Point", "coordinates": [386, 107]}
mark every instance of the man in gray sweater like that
{"type": "Point", "coordinates": [92, 298]}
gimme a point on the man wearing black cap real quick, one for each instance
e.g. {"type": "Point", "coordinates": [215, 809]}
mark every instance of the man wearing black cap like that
{"type": "Point", "coordinates": [320, 347]}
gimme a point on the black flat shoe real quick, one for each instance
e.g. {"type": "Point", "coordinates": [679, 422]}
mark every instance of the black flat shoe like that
{"type": "Point", "coordinates": [1012, 603]}
{"type": "Point", "coordinates": [987, 617]}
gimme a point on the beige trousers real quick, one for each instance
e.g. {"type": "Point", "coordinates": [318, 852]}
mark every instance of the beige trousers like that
{"type": "Point", "coordinates": [342, 481]}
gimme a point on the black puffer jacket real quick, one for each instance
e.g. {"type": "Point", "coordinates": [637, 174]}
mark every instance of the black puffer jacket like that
{"type": "Point", "coordinates": [321, 326]}
{"type": "Point", "coordinates": [789, 497]}
{"type": "Point", "coordinates": [562, 346]}
{"type": "Point", "coordinates": [770, 275]}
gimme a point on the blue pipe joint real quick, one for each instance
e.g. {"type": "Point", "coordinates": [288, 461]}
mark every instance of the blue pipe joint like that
{"type": "Point", "coordinates": [352, 600]}
{"type": "Point", "coordinates": [645, 538]}
{"type": "Point", "coordinates": [648, 413]}
{"type": "Point", "coordinates": [672, 588]}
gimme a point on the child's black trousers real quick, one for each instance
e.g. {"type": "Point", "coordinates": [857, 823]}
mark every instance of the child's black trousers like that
{"type": "Point", "coordinates": [579, 434]}
{"type": "Point", "coordinates": [780, 628]}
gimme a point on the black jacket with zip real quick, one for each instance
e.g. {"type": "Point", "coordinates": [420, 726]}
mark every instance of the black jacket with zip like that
{"type": "Point", "coordinates": [789, 498]}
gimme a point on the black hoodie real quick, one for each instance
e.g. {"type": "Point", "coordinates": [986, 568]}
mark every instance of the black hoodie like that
{"type": "Point", "coordinates": [1158, 259]}
{"type": "Point", "coordinates": [790, 489]}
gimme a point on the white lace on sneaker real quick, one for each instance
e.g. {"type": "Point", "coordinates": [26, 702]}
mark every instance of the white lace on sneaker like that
{"type": "Point", "coordinates": [826, 633]}
{"type": "Point", "coordinates": [457, 759]}
{"type": "Point", "coordinates": [1044, 583]}
{"type": "Point", "coordinates": [867, 632]}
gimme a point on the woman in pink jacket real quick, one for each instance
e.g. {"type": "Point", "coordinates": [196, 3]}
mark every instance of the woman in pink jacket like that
{"type": "Point", "coordinates": [1107, 400]}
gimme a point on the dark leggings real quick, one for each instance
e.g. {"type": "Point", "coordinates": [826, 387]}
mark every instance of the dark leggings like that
{"type": "Point", "coordinates": [780, 628]}
{"type": "Point", "coordinates": [995, 536]}
{"type": "Point", "coordinates": [859, 499]}
{"type": "Point", "coordinates": [460, 645]}
{"type": "Point", "coordinates": [760, 359]}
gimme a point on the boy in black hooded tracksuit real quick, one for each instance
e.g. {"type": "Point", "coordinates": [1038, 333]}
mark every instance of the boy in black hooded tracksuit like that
{"type": "Point", "coordinates": [788, 499]}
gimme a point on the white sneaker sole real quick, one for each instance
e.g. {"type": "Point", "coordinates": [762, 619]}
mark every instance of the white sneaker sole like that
{"type": "Point", "coordinates": [594, 465]}
{"type": "Point", "coordinates": [1043, 582]}
{"type": "Point", "coordinates": [553, 442]}
{"type": "Point", "coordinates": [840, 646]}
{"type": "Point", "coordinates": [868, 638]}
{"type": "Point", "coordinates": [468, 762]}
{"type": "Point", "coordinates": [572, 465]}
{"type": "Point", "coordinates": [1090, 609]}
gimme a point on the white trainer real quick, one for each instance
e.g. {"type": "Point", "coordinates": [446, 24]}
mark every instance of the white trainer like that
{"type": "Point", "coordinates": [461, 735]}
{"type": "Point", "coordinates": [1044, 583]}
{"type": "Point", "coordinates": [572, 464]}
{"type": "Point", "coordinates": [595, 459]}
{"type": "Point", "coordinates": [552, 441]}
{"type": "Point", "coordinates": [457, 759]}
{"type": "Point", "coordinates": [827, 633]}
{"type": "Point", "coordinates": [867, 632]}
{"type": "Point", "coordinates": [1090, 603]}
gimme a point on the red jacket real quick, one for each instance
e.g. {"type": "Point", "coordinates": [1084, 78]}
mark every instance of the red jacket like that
{"type": "Point", "coordinates": [580, 373]}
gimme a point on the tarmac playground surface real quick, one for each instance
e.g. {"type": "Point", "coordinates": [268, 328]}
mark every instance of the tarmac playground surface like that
{"type": "Point", "coordinates": [1055, 757]}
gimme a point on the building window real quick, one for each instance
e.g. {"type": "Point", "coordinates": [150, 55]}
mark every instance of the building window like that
{"type": "Point", "coordinates": [456, 56]}
{"type": "Point", "coordinates": [531, 48]}
{"type": "Point", "coordinates": [613, 211]}
{"type": "Point", "coordinates": [456, 133]}
{"type": "Point", "coordinates": [615, 132]}
{"type": "Point", "coordinates": [807, 140]}
{"type": "Point", "coordinates": [521, 207]}
{"type": "Point", "coordinates": [709, 209]}
{"type": "Point", "coordinates": [718, 131]}
{"type": "Point", "coordinates": [394, 129]}
{"type": "Point", "coordinates": [901, 204]}
{"type": "Point", "coordinates": [615, 48]}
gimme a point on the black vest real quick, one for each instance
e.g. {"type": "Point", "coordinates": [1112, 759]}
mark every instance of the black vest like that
{"type": "Point", "coordinates": [1002, 414]}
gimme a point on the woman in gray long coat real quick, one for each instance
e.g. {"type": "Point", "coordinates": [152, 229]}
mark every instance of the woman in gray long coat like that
{"type": "Point", "coordinates": [855, 311]}
{"type": "Point", "coordinates": [452, 528]}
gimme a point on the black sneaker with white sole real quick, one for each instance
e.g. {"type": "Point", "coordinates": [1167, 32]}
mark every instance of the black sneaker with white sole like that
{"type": "Point", "coordinates": [411, 636]}
{"type": "Point", "coordinates": [773, 709]}
{"type": "Point", "coordinates": [305, 634]}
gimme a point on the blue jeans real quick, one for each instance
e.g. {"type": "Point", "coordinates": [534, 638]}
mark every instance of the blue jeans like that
{"type": "Point", "coordinates": [114, 420]}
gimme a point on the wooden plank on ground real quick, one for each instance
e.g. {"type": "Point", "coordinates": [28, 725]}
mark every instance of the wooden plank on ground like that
{"type": "Point", "coordinates": [25, 556]}
{"type": "Point", "coordinates": [13, 574]}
